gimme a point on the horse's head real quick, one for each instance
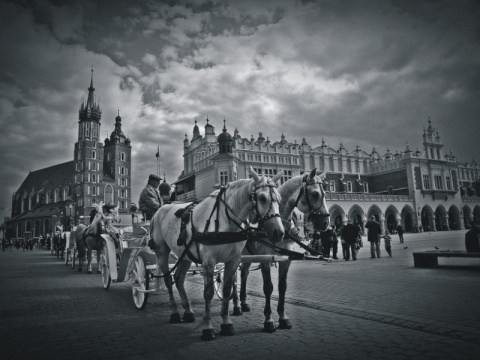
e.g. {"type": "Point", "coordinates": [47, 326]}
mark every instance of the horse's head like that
{"type": "Point", "coordinates": [311, 200]}
{"type": "Point", "coordinates": [266, 204]}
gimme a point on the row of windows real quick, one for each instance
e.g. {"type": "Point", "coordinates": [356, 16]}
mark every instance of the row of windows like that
{"type": "Point", "coordinates": [349, 184]}
{"type": "Point", "coordinates": [94, 144]}
{"type": "Point", "coordinates": [122, 182]}
{"type": "Point", "coordinates": [122, 156]}
{"type": "Point", "coordinates": [438, 181]}
{"type": "Point", "coordinates": [93, 154]}
{"type": "Point", "coordinates": [269, 158]}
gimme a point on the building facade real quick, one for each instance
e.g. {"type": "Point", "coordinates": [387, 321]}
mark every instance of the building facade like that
{"type": "Point", "coordinates": [65, 193]}
{"type": "Point", "coordinates": [427, 190]}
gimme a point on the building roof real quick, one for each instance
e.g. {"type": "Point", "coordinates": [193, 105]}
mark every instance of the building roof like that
{"type": "Point", "coordinates": [49, 178]}
{"type": "Point", "coordinates": [44, 210]}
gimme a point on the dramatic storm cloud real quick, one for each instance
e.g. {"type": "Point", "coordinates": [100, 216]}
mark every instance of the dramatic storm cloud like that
{"type": "Point", "coordinates": [366, 73]}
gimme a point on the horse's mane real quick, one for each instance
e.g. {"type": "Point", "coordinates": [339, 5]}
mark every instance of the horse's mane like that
{"type": "Point", "coordinates": [107, 208]}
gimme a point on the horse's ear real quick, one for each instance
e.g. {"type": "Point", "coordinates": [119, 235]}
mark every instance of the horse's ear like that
{"type": "Point", "coordinates": [322, 176]}
{"type": "Point", "coordinates": [313, 173]}
{"type": "Point", "coordinates": [254, 175]}
{"type": "Point", "coordinates": [277, 177]}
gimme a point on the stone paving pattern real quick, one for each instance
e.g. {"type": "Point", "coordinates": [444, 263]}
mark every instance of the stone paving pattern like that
{"type": "Point", "coordinates": [366, 309]}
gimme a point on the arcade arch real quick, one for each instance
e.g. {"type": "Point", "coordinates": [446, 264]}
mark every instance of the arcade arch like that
{"type": "Point", "coordinates": [427, 218]}
{"type": "Point", "coordinates": [406, 218]}
{"type": "Point", "coordinates": [441, 218]}
{"type": "Point", "coordinates": [467, 216]}
{"type": "Point", "coordinates": [392, 218]}
{"type": "Point", "coordinates": [337, 215]}
{"type": "Point", "coordinates": [454, 219]}
{"type": "Point", "coordinates": [357, 215]}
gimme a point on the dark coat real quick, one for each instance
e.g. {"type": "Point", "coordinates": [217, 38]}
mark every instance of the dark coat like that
{"type": "Point", "coordinates": [350, 233]}
{"type": "Point", "coordinates": [374, 230]}
{"type": "Point", "coordinates": [472, 242]}
{"type": "Point", "coordinates": [150, 200]}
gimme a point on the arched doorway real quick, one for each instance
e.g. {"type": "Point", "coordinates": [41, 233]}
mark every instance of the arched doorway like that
{"type": "Point", "coordinates": [356, 214]}
{"type": "Point", "coordinates": [453, 218]}
{"type": "Point", "coordinates": [407, 218]}
{"type": "Point", "coordinates": [440, 215]}
{"type": "Point", "coordinates": [37, 228]}
{"type": "Point", "coordinates": [427, 217]}
{"type": "Point", "coordinates": [336, 215]}
{"type": "Point", "coordinates": [467, 216]}
{"type": "Point", "coordinates": [476, 214]}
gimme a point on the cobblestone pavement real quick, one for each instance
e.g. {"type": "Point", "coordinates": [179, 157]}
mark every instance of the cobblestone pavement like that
{"type": "Point", "coordinates": [366, 309]}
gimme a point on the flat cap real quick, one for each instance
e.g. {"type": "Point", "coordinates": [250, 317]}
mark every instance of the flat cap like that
{"type": "Point", "coordinates": [154, 177]}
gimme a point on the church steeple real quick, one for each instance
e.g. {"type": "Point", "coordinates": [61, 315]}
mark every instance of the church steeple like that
{"type": "Point", "coordinates": [90, 110]}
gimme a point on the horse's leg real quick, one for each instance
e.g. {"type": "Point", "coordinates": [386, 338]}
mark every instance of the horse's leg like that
{"type": "Point", "coordinates": [208, 291]}
{"type": "Point", "coordinates": [284, 321]}
{"type": "Point", "coordinates": [162, 266]}
{"type": "Point", "coordinates": [229, 273]}
{"type": "Point", "coordinates": [89, 260]}
{"type": "Point", "coordinates": [99, 256]}
{"type": "Point", "coordinates": [268, 324]}
{"type": "Point", "coordinates": [243, 286]}
{"type": "Point", "coordinates": [237, 311]}
{"type": "Point", "coordinates": [179, 278]}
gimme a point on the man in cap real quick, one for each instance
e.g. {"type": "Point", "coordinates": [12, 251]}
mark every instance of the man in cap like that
{"type": "Point", "coordinates": [150, 200]}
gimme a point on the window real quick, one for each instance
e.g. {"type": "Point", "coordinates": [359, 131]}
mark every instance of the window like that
{"type": "Point", "coordinates": [223, 178]}
{"type": "Point", "coordinates": [122, 205]}
{"type": "Point", "coordinates": [79, 154]}
{"type": "Point", "coordinates": [123, 181]}
{"type": "Point", "coordinates": [295, 161]}
{"type": "Point", "coordinates": [332, 185]}
{"type": "Point", "coordinates": [123, 193]}
{"type": "Point", "coordinates": [426, 181]}
{"type": "Point", "coordinates": [265, 158]}
{"type": "Point", "coordinates": [287, 174]}
{"type": "Point", "coordinates": [109, 157]}
{"type": "Point", "coordinates": [122, 156]}
{"type": "Point", "coordinates": [438, 153]}
{"type": "Point", "coordinates": [438, 182]}
{"type": "Point", "coordinates": [349, 187]}
{"type": "Point", "coordinates": [94, 143]}
{"type": "Point", "coordinates": [449, 182]}
{"type": "Point", "coordinates": [431, 154]}
{"type": "Point", "coordinates": [78, 192]}
{"type": "Point", "coordinates": [349, 165]}
{"type": "Point", "coordinates": [122, 171]}
{"type": "Point", "coordinates": [94, 191]}
{"type": "Point", "coordinates": [94, 154]}
{"type": "Point", "coordinates": [365, 187]}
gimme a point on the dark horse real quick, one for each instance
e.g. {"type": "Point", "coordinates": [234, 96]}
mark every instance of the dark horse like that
{"type": "Point", "coordinates": [87, 238]}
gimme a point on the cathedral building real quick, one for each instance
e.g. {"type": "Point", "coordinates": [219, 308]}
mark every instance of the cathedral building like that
{"type": "Point", "coordinates": [64, 194]}
{"type": "Point", "coordinates": [429, 190]}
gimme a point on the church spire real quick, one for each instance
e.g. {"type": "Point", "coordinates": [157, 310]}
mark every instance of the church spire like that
{"type": "Point", "coordinates": [90, 110]}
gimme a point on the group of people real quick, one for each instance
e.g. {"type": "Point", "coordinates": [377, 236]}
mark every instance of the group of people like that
{"type": "Point", "coordinates": [350, 235]}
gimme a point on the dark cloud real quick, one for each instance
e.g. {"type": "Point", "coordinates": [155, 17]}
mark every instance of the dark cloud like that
{"type": "Point", "coordinates": [366, 73]}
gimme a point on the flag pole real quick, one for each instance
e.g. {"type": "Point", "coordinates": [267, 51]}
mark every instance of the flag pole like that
{"type": "Point", "coordinates": [157, 155]}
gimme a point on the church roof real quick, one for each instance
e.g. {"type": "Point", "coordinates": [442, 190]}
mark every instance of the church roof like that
{"type": "Point", "coordinates": [44, 210]}
{"type": "Point", "coordinates": [52, 177]}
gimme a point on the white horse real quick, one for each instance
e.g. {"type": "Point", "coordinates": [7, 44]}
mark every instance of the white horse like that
{"type": "Point", "coordinates": [305, 192]}
{"type": "Point", "coordinates": [219, 241]}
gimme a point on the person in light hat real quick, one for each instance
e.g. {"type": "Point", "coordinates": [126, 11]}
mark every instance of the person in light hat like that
{"type": "Point", "coordinates": [150, 200]}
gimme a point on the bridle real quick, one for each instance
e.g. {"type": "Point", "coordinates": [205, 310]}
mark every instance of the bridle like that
{"type": "Point", "coordinates": [306, 182]}
{"type": "Point", "coordinates": [257, 217]}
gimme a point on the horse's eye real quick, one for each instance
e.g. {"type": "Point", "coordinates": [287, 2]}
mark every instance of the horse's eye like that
{"type": "Point", "coordinates": [315, 194]}
{"type": "Point", "coordinates": [262, 198]}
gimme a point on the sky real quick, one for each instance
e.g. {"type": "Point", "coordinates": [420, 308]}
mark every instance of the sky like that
{"type": "Point", "coordinates": [368, 73]}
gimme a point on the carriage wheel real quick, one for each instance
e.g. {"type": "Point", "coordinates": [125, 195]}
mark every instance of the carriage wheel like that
{"type": "Point", "coordinates": [140, 281]}
{"type": "Point", "coordinates": [106, 279]}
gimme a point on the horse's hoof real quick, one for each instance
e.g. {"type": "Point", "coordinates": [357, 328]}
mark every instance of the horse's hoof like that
{"type": "Point", "coordinates": [175, 318]}
{"type": "Point", "coordinates": [284, 324]}
{"type": "Point", "coordinates": [227, 330]}
{"type": "Point", "coordinates": [208, 334]}
{"type": "Point", "coordinates": [245, 308]}
{"type": "Point", "coordinates": [237, 311]}
{"type": "Point", "coordinates": [269, 327]}
{"type": "Point", "coordinates": [79, 269]}
{"type": "Point", "coordinates": [89, 271]}
{"type": "Point", "coordinates": [189, 317]}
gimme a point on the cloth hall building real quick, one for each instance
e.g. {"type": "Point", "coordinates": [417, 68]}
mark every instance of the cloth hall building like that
{"type": "Point", "coordinates": [426, 190]}
{"type": "Point", "coordinates": [64, 193]}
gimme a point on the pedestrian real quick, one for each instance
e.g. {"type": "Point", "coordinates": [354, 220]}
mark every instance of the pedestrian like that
{"type": "Point", "coordinates": [472, 239]}
{"type": "Point", "coordinates": [400, 233]}
{"type": "Point", "coordinates": [334, 241]}
{"type": "Point", "coordinates": [326, 240]}
{"type": "Point", "coordinates": [350, 235]}
{"type": "Point", "coordinates": [374, 232]}
{"type": "Point", "coordinates": [388, 242]}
